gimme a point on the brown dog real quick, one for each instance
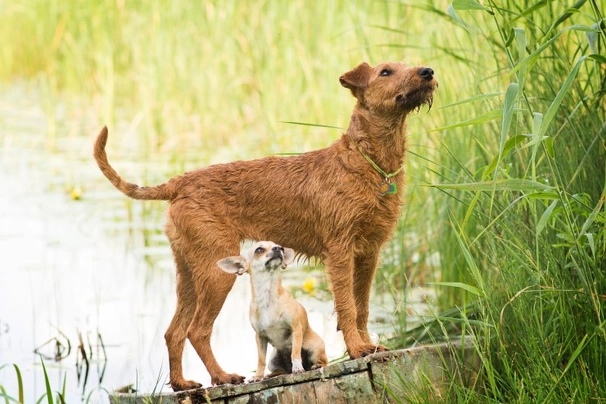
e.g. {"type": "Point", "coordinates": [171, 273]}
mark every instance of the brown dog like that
{"type": "Point", "coordinates": [274, 314]}
{"type": "Point", "coordinates": [339, 203]}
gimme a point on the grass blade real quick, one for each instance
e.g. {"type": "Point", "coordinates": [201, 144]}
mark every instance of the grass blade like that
{"type": "Point", "coordinates": [475, 98]}
{"type": "Point", "coordinates": [467, 5]}
{"type": "Point", "coordinates": [509, 184]}
{"type": "Point", "coordinates": [49, 392]}
{"type": "Point", "coordinates": [19, 383]}
{"type": "Point", "coordinates": [572, 359]}
{"type": "Point", "coordinates": [460, 285]}
{"type": "Point", "coordinates": [545, 217]}
{"type": "Point", "coordinates": [511, 98]}
{"type": "Point", "coordinates": [316, 125]}
{"type": "Point", "coordinates": [6, 397]}
{"type": "Point", "coordinates": [478, 120]}
{"type": "Point", "coordinates": [551, 111]}
{"type": "Point", "coordinates": [510, 144]}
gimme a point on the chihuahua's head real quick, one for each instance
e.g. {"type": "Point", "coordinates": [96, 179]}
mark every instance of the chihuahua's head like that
{"type": "Point", "coordinates": [263, 256]}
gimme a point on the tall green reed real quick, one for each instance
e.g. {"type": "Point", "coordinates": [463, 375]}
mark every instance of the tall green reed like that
{"type": "Point", "coordinates": [524, 239]}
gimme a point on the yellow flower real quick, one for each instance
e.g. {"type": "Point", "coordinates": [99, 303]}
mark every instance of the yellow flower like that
{"type": "Point", "coordinates": [309, 286]}
{"type": "Point", "coordinates": [75, 193]}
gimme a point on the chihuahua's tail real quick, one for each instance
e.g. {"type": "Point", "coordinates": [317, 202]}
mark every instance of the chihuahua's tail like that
{"type": "Point", "coordinates": [165, 191]}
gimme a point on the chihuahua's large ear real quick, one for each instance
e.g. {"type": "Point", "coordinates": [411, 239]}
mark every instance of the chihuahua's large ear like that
{"type": "Point", "coordinates": [289, 257]}
{"type": "Point", "coordinates": [357, 79]}
{"type": "Point", "coordinates": [233, 265]}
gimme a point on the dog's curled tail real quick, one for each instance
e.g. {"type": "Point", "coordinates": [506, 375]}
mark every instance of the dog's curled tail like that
{"type": "Point", "coordinates": [165, 191]}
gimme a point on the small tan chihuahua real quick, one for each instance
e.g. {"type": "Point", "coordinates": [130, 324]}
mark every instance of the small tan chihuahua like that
{"type": "Point", "coordinates": [275, 315]}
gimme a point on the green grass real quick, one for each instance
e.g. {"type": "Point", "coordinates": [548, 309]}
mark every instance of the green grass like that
{"type": "Point", "coordinates": [506, 174]}
{"type": "Point", "coordinates": [524, 241]}
{"type": "Point", "coordinates": [48, 396]}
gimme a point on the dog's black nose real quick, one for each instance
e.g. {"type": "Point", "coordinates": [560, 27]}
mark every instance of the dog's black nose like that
{"type": "Point", "coordinates": [426, 73]}
{"type": "Point", "coordinates": [276, 248]}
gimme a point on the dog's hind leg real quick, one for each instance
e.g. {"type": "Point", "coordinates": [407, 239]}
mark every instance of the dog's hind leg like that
{"type": "Point", "coordinates": [177, 331]}
{"type": "Point", "coordinates": [212, 286]}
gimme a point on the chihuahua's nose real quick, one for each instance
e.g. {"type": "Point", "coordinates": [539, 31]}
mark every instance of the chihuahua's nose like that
{"type": "Point", "coordinates": [276, 249]}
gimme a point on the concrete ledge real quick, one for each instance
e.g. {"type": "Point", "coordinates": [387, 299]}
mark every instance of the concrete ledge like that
{"type": "Point", "coordinates": [374, 378]}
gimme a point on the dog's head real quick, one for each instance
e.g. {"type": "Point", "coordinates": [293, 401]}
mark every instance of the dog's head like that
{"type": "Point", "coordinates": [261, 257]}
{"type": "Point", "coordinates": [391, 88]}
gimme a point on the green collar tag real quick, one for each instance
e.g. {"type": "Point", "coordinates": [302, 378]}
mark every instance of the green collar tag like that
{"type": "Point", "coordinates": [388, 188]}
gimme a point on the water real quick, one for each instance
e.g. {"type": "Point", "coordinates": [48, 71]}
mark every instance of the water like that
{"type": "Point", "coordinates": [86, 273]}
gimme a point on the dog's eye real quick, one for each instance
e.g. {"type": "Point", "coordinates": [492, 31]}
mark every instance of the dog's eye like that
{"type": "Point", "coordinates": [386, 72]}
{"type": "Point", "coordinates": [259, 250]}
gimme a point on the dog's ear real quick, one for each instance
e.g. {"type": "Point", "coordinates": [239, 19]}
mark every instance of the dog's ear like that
{"type": "Point", "coordinates": [357, 79]}
{"type": "Point", "coordinates": [289, 257]}
{"type": "Point", "coordinates": [233, 265]}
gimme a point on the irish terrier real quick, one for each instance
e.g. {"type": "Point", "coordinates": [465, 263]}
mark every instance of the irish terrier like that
{"type": "Point", "coordinates": [275, 315]}
{"type": "Point", "coordinates": [339, 203]}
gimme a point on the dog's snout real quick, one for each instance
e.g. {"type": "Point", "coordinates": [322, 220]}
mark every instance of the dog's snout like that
{"type": "Point", "coordinates": [277, 249]}
{"type": "Point", "coordinates": [426, 73]}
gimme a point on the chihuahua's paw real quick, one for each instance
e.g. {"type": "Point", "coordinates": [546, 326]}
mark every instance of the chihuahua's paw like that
{"type": "Point", "coordinates": [180, 385]}
{"type": "Point", "coordinates": [254, 379]}
{"type": "Point", "coordinates": [297, 366]}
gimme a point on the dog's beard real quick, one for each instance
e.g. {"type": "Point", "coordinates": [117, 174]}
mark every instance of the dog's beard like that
{"type": "Point", "coordinates": [428, 102]}
{"type": "Point", "coordinates": [415, 100]}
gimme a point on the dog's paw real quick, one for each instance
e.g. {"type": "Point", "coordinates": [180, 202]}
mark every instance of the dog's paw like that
{"type": "Point", "coordinates": [228, 378]}
{"type": "Point", "coordinates": [365, 350]}
{"type": "Point", "coordinates": [254, 379]}
{"type": "Point", "coordinates": [180, 385]}
{"type": "Point", "coordinates": [318, 366]}
{"type": "Point", "coordinates": [297, 366]}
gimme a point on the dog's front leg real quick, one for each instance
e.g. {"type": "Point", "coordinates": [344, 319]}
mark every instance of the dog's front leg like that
{"type": "Point", "coordinates": [261, 354]}
{"type": "Point", "coordinates": [340, 272]}
{"type": "Point", "coordinates": [364, 271]}
{"type": "Point", "coordinates": [295, 355]}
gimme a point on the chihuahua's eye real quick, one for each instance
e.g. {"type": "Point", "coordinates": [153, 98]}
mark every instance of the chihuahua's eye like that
{"type": "Point", "coordinates": [386, 72]}
{"type": "Point", "coordinates": [259, 250]}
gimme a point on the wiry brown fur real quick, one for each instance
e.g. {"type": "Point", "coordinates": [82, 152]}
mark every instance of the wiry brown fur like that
{"type": "Point", "coordinates": [328, 202]}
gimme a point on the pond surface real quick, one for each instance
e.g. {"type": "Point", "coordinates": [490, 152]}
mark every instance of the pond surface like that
{"type": "Point", "coordinates": [87, 279]}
